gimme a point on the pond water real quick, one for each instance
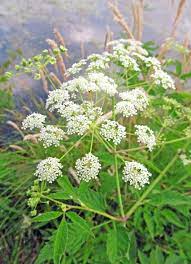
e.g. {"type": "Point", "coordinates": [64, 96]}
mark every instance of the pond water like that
{"type": "Point", "coordinates": [26, 24]}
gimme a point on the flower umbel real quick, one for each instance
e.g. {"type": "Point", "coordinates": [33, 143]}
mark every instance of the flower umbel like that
{"type": "Point", "coordinates": [34, 120]}
{"type": "Point", "coordinates": [51, 136]}
{"type": "Point", "coordinates": [136, 174]}
{"type": "Point", "coordinates": [88, 167]}
{"type": "Point", "coordinates": [145, 136]}
{"type": "Point", "coordinates": [49, 170]}
{"type": "Point", "coordinates": [113, 131]}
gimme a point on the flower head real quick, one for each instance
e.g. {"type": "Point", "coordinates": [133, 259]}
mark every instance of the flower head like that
{"type": "Point", "coordinates": [88, 167]}
{"type": "Point", "coordinates": [56, 99]}
{"type": "Point", "coordinates": [49, 169]}
{"type": "Point", "coordinates": [145, 136]}
{"type": "Point", "coordinates": [136, 174]}
{"type": "Point", "coordinates": [162, 78]}
{"type": "Point", "coordinates": [34, 120]}
{"type": "Point", "coordinates": [112, 130]}
{"type": "Point", "coordinates": [133, 101]}
{"type": "Point", "coordinates": [51, 136]}
{"type": "Point", "coordinates": [78, 125]}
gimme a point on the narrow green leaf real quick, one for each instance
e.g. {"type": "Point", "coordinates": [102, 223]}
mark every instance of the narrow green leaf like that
{"type": "Point", "coordinates": [60, 241]}
{"type": "Point", "coordinates": [174, 259]}
{"type": "Point", "coordinates": [112, 245]}
{"type": "Point", "coordinates": [171, 198]}
{"type": "Point", "coordinates": [156, 256]}
{"type": "Point", "coordinates": [132, 251]}
{"type": "Point", "coordinates": [149, 222]}
{"type": "Point", "coordinates": [45, 217]}
{"type": "Point", "coordinates": [75, 218]}
{"type": "Point", "coordinates": [143, 258]}
{"type": "Point", "coordinates": [90, 198]}
{"type": "Point", "coordinates": [45, 254]}
{"type": "Point", "coordinates": [59, 196]}
{"type": "Point", "coordinates": [172, 218]}
{"type": "Point", "coordinates": [67, 186]}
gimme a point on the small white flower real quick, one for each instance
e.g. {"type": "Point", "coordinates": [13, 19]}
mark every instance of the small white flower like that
{"type": "Point", "coordinates": [90, 111]}
{"type": "Point", "coordinates": [121, 54]}
{"type": "Point", "coordinates": [145, 136]}
{"type": "Point", "coordinates": [127, 108]}
{"type": "Point", "coordinates": [112, 130]}
{"type": "Point", "coordinates": [153, 62]}
{"type": "Point", "coordinates": [98, 62]}
{"type": "Point", "coordinates": [164, 79]}
{"type": "Point", "coordinates": [49, 170]}
{"type": "Point", "coordinates": [78, 125]}
{"type": "Point", "coordinates": [70, 109]}
{"type": "Point", "coordinates": [51, 136]}
{"type": "Point", "coordinates": [77, 67]}
{"type": "Point", "coordinates": [88, 167]}
{"type": "Point", "coordinates": [134, 101]}
{"type": "Point", "coordinates": [136, 174]}
{"type": "Point", "coordinates": [103, 83]}
{"type": "Point", "coordinates": [34, 120]}
{"type": "Point", "coordinates": [79, 84]}
{"type": "Point", "coordinates": [56, 99]}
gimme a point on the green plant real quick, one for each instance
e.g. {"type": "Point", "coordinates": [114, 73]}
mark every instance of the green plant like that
{"type": "Point", "coordinates": [104, 219]}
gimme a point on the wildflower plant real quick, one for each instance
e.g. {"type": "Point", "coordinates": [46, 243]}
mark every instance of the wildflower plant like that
{"type": "Point", "coordinates": [110, 123]}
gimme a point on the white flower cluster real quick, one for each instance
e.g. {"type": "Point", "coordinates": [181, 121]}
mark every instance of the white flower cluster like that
{"type": "Point", "coordinates": [95, 82]}
{"type": "Point", "coordinates": [78, 125]}
{"type": "Point", "coordinates": [121, 54]}
{"type": "Point", "coordinates": [136, 174]}
{"type": "Point", "coordinates": [79, 84]}
{"type": "Point", "coordinates": [51, 136]}
{"type": "Point", "coordinates": [162, 78]}
{"type": "Point", "coordinates": [145, 136]}
{"type": "Point", "coordinates": [113, 131]}
{"type": "Point", "coordinates": [77, 67]}
{"type": "Point", "coordinates": [98, 62]}
{"type": "Point", "coordinates": [49, 170]}
{"type": "Point", "coordinates": [57, 99]}
{"type": "Point", "coordinates": [103, 82]}
{"type": "Point", "coordinates": [133, 101]}
{"type": "Point", "coordinates": [34, 120]}
{"type": "Point", "coordinates": [132, 46]}
{"type": "Point", "coordinates": [88, 167]}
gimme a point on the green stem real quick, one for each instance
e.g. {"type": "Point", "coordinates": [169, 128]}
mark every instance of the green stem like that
{"type": "Point", "coordinates": [118, 186]}
{"type": "Point", "coordinates": [73, 146]}
{"type": "Point", "coordinates": [151, 186]}
{"type": "Point", "coordinates": [83, 208]}
{"type": "Point", "coordinates": [92, 140]}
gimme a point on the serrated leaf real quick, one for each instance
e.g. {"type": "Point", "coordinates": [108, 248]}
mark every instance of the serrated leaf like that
{"type": "Point", "coordinates": [132, 251]}
{"type": "Point", "coordinates": [183, 239]}
{"type": "Point", "coordinates": [156, 256]}
{"type": "Point", "coordinates": [112, 245]}
{"type": "Point", "coordinates": [90, 198]}
{"type": "Point", "coordinates": [45, 217]}
{"type": "Point", "coordinates": [60, 241]}
{"type": "Point", "coordinates": [59, 196]}
{"type": "Point", "coordinates": [171, 198]}
{"type": "Point", "coordinates": [149, 222]}
{"type": "Point", "coordinates": [45, 254]}
{"type": "Point", "coordinates": [75, 218]}
{"type": "Point", "coordinates": [67, 187]}
{"type": "Point", "coordinates": [171, 217]}
{"type": "Point", "coordinates": [174, 259]}
{"type": "Point", "coordinates": [76, 238]}
{"type": "Point", "coordinates": [143, 258]}
{"type": "Point", "coordinates": [108, 183]}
